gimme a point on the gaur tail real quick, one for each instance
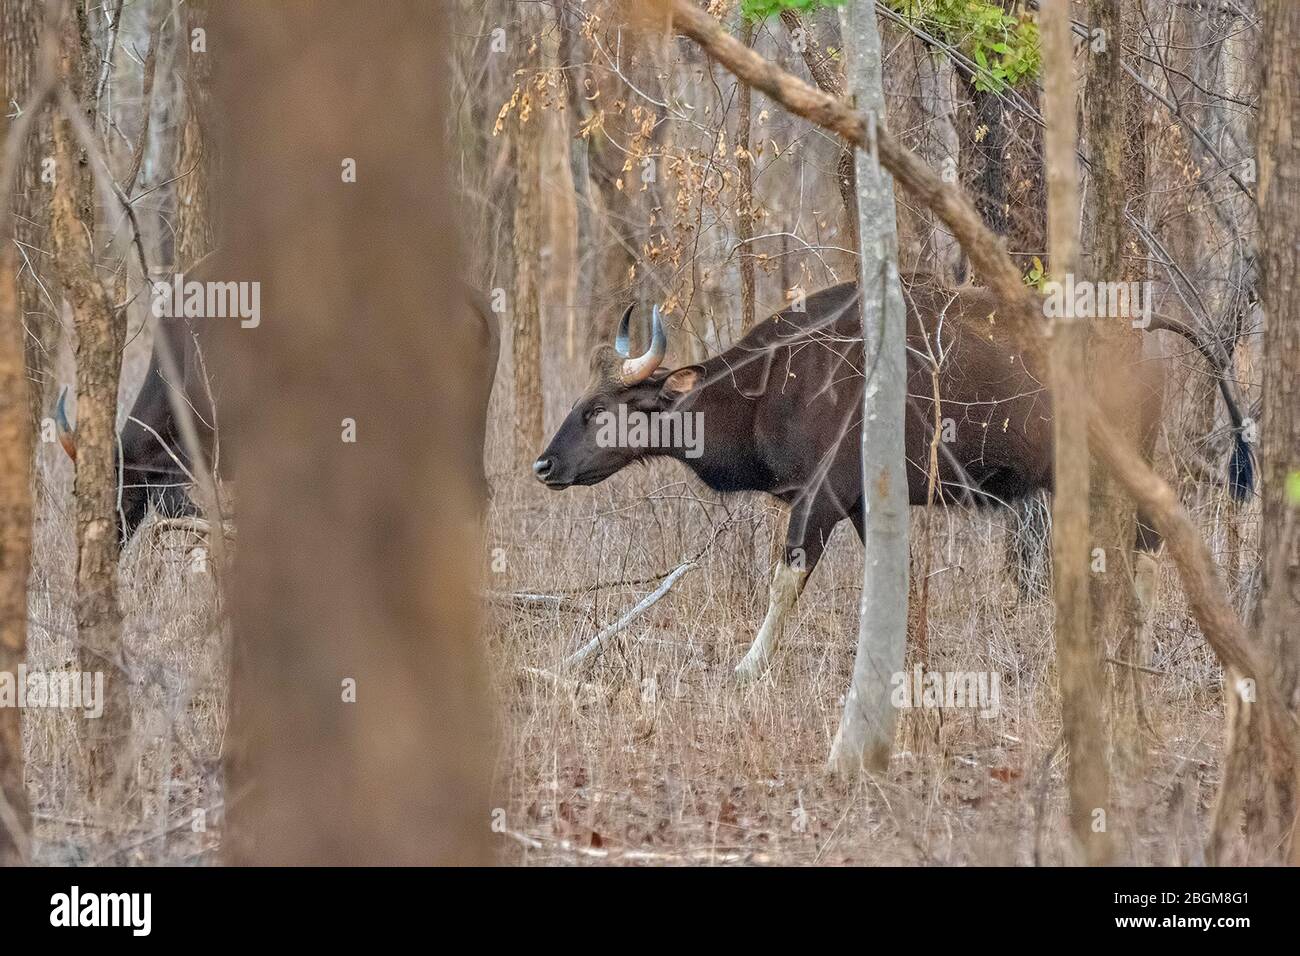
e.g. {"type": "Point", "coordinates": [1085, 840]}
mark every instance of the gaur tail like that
{"type": "Point", "coordinates": [1241, 463]}
{"type": "Point", "coordinates": [67, 437]}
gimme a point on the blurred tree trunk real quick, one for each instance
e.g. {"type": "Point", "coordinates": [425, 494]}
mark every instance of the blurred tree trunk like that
{"type": "Point", "coordinates": [15, 469]}
{"type": "Point", "coordinates": [21, 25]}
{"type": "Point", "coordinates": [358, 725]}
{"type": "Point", "coordinates": [194, 229]}
{"type": "Point", "coordinates": [1278, 611]}
{"type": "Point", "coordinates": [528, 126]}
{"type": "Point", "coordinates": [1078, 656]}
{"type": "Point", "coordinates": [15, 434]}
{"type": "Point", "coordinates": [866, 733]}
{"type": "Point", "coordinates": [15, 558]}
{"type": "Point", "coordinates": [101, 333]}
{"type": "Point", "coordinates": [1116, 146]}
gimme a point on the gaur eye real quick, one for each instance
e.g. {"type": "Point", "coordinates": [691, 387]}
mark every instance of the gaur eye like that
{"type": "Point", "coordinates": [593, 410]}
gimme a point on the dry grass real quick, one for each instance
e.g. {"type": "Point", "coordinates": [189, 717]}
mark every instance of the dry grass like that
{"type": "Point", "coordinates": [654, 756]}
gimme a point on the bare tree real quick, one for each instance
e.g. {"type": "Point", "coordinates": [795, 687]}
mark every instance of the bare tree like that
{"type": "Point", "coordinates": [526, 302]}
{"type": "Point", "coordinates": [745, 191]}
{"type": "Point", "coordinates": [866, 733]}
{"type": "Point", "coordinates": [1078, 657]}
{"type": "Point", "coordinates": [358, 725]}
{"type": "Point", "coordinates": [1112, 112]}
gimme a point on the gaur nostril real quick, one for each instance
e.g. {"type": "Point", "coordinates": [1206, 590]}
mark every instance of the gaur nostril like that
{"type": "Point", "coordinates": [542, 467]}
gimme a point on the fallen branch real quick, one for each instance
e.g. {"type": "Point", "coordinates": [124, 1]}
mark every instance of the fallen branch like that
{"type": "Point", "coordinates": [524, 599]}
{"type": "Point", "coordinates": [589, 651]}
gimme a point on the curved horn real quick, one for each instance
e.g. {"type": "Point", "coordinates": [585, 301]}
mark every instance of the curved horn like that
{"type": "Point", "coordinates": [639, 369]}
{"type": "Point", "coordinates": [623, 341]}
{"type": "Point", "coordinates": [66, 435]}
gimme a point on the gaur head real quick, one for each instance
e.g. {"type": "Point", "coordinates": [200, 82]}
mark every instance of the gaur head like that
{"type": "Point", "coordinates": [580, 454]}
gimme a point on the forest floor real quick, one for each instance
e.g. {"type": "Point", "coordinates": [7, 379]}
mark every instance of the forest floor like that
{"type": "Point", "coordinates": [655, 755]}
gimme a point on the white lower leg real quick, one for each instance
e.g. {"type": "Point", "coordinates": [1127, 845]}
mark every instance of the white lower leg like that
{"type": "Point", "coordinates": [787, 583]}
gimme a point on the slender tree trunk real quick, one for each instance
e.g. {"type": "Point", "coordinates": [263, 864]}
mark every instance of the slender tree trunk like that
{"type": "Point", "coordinates": [101, 333]}
{"type": "Point", "coordinates": [1278, 611]}
{"type": "Point", "coordinates": [745, 191]}
{"type": "Point", "coordinates": [15, 560]}
{"type": "Point", "coordinates": [358, 724]}
{"type": "Point", "coordinates": [21, 25]}
{"type": "Point", "coordinates": [525, 304]}
{"type": "Point", "coordinates": [194, 165]}
{"type": "Point", "coordinates": [1078, 656]}
{"type": "Point", "coordinates": [577, 113]}
{"type": "Point", "coordinates": [987, 158]}
{"type": "Point", "coordinates": [16, 86]}
{"type": "Point", "coordinates": [1116, 147]}
{"type": "Point", "coordinates": [941, 148]}
{"type": "Point", "coordinates": [866, 734]}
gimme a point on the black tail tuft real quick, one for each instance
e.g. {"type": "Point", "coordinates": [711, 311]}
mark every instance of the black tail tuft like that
{"type": "Point", "coordinates": [1241, 469]}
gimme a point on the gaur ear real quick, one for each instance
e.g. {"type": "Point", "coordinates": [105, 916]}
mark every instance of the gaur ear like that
{"type": "Point", "coordinates": [681, 381]}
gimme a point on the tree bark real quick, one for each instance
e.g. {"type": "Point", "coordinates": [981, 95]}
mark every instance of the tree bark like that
{"type": "Point", "coordinates": [525, 304]}
{"type": "Point", "coordinates": [987, 157]}
{"type": "Point", "coordinates": [21, 26]}
{"type": "Point", "coordinates": [1078, 656]}
{"type": "Point", "coordinates": [101, 334]}
{"type": "Point", "coordinates": [577, 113]}
{"type": "Point", "coordinates": [1278, 611]}
{"type": "Point", "coordinates": [745, 191]}
{"type": "Point", "coordinates": [195, 163]}
{"type": "Point", "coordinates": [866, 733]}
{"type": "Point", "coordinates": [16, 506]}
{"type": "Point", "coordinates": [358, 725]}
{"type": "Point", "coordinates": [15, 561]}
{"type": "Point", "coordinates": [1116, 148]}
{"type": "Point", "coordinates": [941, 146]}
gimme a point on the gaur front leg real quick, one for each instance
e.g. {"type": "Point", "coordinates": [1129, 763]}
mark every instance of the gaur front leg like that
{"type": "Point", "coordinates": [805, 539]}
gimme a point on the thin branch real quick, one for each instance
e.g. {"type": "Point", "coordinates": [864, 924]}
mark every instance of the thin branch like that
{"type": "Point", "coordinates": [589, 651]}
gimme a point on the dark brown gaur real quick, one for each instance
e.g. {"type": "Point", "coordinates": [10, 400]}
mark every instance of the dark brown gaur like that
{"type": "Point", "coordinates": [781, 413]}
{"type": "Point", "coordinates": [149, 474]}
